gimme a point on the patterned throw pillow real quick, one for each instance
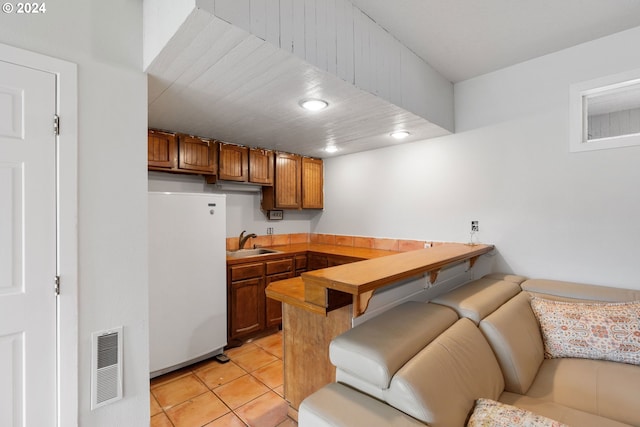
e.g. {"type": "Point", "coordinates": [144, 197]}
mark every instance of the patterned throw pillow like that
{"type": "Point", "coordinates": [489, 413]}
{"type": "Point", "coordinates": [605, 331]}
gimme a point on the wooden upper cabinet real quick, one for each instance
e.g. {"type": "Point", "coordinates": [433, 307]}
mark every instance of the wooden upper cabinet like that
{"type": "Point", "coordinates": [180, 153]}
{"type": "Point", "coordinates": [289, 181]}
{"type": "Point", "coordinates": [299, 184]}
{"type": "Point", "coordinates": [234, 163]}
{"type": "Point", "coordinates": [312, 184]}
{"type": "Point", "coordinates": [261, 166]}
{"type": "Point", "coordinates": [161, 150]}
{"type": "Point", "coordinates": [288, 173]}
{"type": "Point", "coordinates": [197, 154]}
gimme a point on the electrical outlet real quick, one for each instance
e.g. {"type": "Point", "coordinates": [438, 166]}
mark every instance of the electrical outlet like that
{"type": "Point", "coordinates": [475, 227]}
{"type": "Point", "coordinates": [270, 230]}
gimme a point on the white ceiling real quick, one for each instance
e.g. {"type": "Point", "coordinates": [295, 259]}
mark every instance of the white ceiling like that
{"type": "Point", "coordinates": [226, 85]}
{"type": "Point", "coordinates": [467, 38]}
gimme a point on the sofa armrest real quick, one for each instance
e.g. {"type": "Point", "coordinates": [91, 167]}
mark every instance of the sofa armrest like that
{"type": "Point", "coordinates": [336, 405]}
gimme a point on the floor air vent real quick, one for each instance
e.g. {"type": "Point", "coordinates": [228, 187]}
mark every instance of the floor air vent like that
{"type": "Point", "coordinates": [106, 367]}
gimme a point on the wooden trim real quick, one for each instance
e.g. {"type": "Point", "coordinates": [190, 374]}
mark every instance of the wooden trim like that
{"type": "Point", "coordinates": [473, 260]}
{"type": "Point", "coordinates": [361, 303]}
{"type": "Point", "coordinates": [433, 276]}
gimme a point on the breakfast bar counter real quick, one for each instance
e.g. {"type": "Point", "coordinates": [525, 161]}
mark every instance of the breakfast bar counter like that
{"type": "Point", "coordinates": [321, 304]}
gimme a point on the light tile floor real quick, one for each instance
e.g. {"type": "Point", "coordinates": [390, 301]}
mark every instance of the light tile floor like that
{"type": "Point", "coordinates": [247, 391]}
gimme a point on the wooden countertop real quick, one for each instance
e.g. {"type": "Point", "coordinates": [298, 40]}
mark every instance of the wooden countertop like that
{"type": "Point", "coordinates": [302, 248]}
{"type": "Point", "coordinates": [314, 290]}
{"type": "Point", "coordinates": [291, 291]}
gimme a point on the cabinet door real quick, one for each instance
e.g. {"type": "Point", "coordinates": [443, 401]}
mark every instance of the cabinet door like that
{"type": "Point", "coordinates": [273, 307]}
{"type": "Point", "coordinates": [246, 311]}
{"type": "Point", "coordinates": [197, 154]}
{"type": "Point", "coordinates": [234, 164]}
{"type": "Point", "coordinates": [300, 262]}
{"type": "Point", "coordinates": [162, 150]}
{"type": "Point", "coordinates": [312, 184]}
{"type": "Point", "coordinates": [287, 181]}
{"type": "Point", "coordinates": [261, 166]}
{"type": "Point", "coordinates": [316, 262]}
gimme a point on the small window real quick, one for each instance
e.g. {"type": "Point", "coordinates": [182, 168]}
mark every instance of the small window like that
{"type": "Point", "coordinates": [605, 113]}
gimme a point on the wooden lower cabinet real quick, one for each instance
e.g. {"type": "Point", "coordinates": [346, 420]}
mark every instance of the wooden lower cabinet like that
{"type": "Point", "coordinates": [317, 261]}
{"type": "Point", "coordinates": [249, 311]}
{"type": "Point", "coordinates": [247, 306]}
{"type": "Point", "coordinates": [276, 270]}
{"type": "Point", "coordinates": [273, 307]}
{"type": "Point", "coordinates": [245, 300]}
{"type": "Point", "coordinates": [300, 264]}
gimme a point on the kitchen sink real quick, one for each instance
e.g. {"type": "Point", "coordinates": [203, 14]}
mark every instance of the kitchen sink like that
{"type": "Point", "coordinates": [244, 253]}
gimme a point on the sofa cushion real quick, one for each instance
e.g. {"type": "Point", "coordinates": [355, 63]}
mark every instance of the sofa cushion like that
{"type": "Point", "coordinates": [514, 335]}
{"type": "Point", "coordinates": [566, 291]}
{"type": "Point", "coordinates": [440, 385]}
{"type": "Point", "coordinates": [556, 411]}
{"type": "Point", "coordinates": [608, 389]}
{"type": "Point", "coordinates": [477, 299]}
{"type": "Point", "coordinates": [488, 412]}
{"type": "Point", "coordinates": [606, 331]}
{"type": "Point", "coordinates": [506, 277]}
{"type": "Point", "coordinates": [373, 351]}
{"type": "Point", "coordinates": [339, 405]}
{"type": "Point", "coordinates": [360, 384]}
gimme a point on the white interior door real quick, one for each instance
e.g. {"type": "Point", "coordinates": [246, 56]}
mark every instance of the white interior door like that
{"type": "Point", "coordinates": [27, 247]}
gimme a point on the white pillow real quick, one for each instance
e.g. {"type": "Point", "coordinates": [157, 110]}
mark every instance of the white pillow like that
{"type": "Point", "coordinates": [605, 331]}
{"type": "Point", "coordinates": [489, 413]}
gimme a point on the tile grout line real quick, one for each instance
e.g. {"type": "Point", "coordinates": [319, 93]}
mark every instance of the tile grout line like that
{"type": "Point", "coordinates": [192, 371]}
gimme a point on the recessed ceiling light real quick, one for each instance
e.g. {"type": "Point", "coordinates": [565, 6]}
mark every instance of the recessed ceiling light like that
{"type": "Point", "coordinates": [313, 104]}
{"type": "Point", "coordinates": [331, 149]}
{"type": "Point", "coordinates": [401, 134]}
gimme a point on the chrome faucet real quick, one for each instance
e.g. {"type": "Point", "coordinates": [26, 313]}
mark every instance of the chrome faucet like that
{"type": "Point", "coordinates": [243, 239]}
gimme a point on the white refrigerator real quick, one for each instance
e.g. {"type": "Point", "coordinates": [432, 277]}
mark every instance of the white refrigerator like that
{"type": "Point", "coordinates": [187, 279]}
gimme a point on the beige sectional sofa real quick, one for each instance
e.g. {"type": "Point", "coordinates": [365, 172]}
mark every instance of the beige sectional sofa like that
{"type": "Point", "coordinates": [428, 363]}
